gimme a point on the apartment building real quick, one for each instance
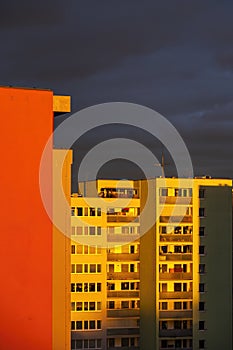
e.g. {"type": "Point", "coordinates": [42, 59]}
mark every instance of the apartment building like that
{"type": "Point", "coordinates": [151, 264]}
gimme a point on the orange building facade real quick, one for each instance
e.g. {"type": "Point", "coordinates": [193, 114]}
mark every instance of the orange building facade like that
{"type": "Point", "coordinates": [26, 261]}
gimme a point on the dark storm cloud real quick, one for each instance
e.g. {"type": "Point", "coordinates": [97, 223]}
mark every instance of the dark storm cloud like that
{"type": "Point", "coordinates": [173, 56]}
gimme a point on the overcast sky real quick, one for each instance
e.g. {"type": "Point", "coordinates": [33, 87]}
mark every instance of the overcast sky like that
{"type": "Point", "coordinates": [173, 56]}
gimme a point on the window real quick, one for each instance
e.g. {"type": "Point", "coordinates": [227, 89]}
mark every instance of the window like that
{"type": "Point", "coordinates": [177, 287]}
{"type": "Point", "coordinates": [201, 306]}
{"type": "Point", "coordinates": [73, 249]}
{"type": "Point", "coordinates": [201, 212]}
{"type": "Point", "coordinates": [177, 324]}
{"type": "Point", "coordinates": [79, 211]}
{"type": "Point", "coordinates": [164, 305]}
{"type": "Point", "coordinates": [201, 325]}
{"type": "Point", "coordinates": [111, 304]}
{"type": "Point", "coordinates": [79, 268]}
{"type": "Point", "coordinates": [177, 305]}
{"type": "Point", "coordinates": [201, 193]}
{"type": "Point", "coordinates": [125, 342]}
{"type": "Point", "coordinates": [124, 285]}
{"type": "Point", "coordinates": [201, 268]}
{"type": "Point", "coordinates": [201, 249]}
{"type": "Point", "coordinates": [201, 344]}
{"type": "Point", "coordinates": [98, 324]}
{"type": "Point", "coordinates": [73, 211]}
{"type": "Point", "coordinates": [202, 231]}
{"type": "Point", "coordinates": [125, 304]}
{"type": "Point", "coordinates": [201, 287]}
{"type": "Point", "coordinates": [92, 230]}
{"type": "Point", "coordinates": [111, 342]}
{"type": "Point", "coordinates": [91, 324]}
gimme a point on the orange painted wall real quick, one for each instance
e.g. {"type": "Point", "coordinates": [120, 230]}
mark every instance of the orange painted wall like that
{"type": "Point", "coordinates": [26, 231]}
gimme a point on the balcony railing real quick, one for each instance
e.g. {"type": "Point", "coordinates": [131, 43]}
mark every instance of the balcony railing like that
{"type": "Point", "coordinates": [176, 219]}
{"type": "Point", "coordinates": [123, 294]}
{"type": "Point", "coordinates": [123, 257]}
{"type": "Point", "coordinates": [176, 256]}
{"type": "Point", "coordinates": [175, 295]}
{"type": "Point", "coordinates": [123, 237]}
{"type": "Point", "coordinates": [176, 238]}
{"type": "Point", "coordinates": [176, 314]}
{"type": "Point", "coordinates": [123, 313]}
{"type": "Point", "coordinates": [175, 200]}
{"type": "Point", "coordinates": [122, 331]}
{"type": "Point", "coordinates": [123, 275]}
{"type": "Point", "coordinates": [175, 332]}
{"type": "Point", "coordinates": [175, 276]}
{"type": "Point", "coordinates": [122, 218]}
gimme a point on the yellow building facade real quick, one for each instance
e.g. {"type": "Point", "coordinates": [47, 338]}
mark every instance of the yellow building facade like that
{"type": "Point", "coordinates": [151, 264]}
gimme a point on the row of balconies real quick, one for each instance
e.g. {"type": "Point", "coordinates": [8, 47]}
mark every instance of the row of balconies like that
{"type": "Point", "coordinates": [176, 332]}
{"type": "Point", "coordinates": [122, 257]}
{"type": "Point", "coordinates": [175, 295]}
{"type": "Point", "coordinates": [175, 256]}
{"type": "Point", "coordinates": [175, 200]}
{"type": "Point", "coordinates": [176, 219]}
{"type": "Point", "coordinates": [123, 294]}
{"type": "Point", "coordinates": [122, 218]}
{"type": "Point", "coordinates": [123, 275]}
{"type": "Point", "coordinates": [175, 276]}
{"type": "Point", "coordinates": [176, 314]}
{"type": "Point", "coordinates": [123, 313]}
{"type": "Point", "coordinates": [176, 238]}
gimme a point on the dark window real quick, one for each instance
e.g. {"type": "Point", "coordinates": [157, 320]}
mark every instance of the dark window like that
{"type": "Point", "coordinates": [98, 287]}
{"type": "Point", "coordinates": [72, 289]}
{"type": "Point", "coordinates": [124, 342]}
{"type": "Point", "coordinates": [201, 249]}
{"type": "Point", "coordinates": [201, 344]}
{"type": "Point", "coordinates": [92, 268]}
{"type": "Point", "coordinates": [73, 249]}
{"type": "Point", "coordinates": [92, 230]}
{"type": "Point", "coordinates": [177, 305]}
{"type": "Point", "coordinates": [79, 343]}
{"type": "Point", "coordinates": [177, 287]}
{"type": "Point", "coordinates": [111, 304]}
{"type": "Point", "coordinates": [177, 324]}
{"type": "Point", "coordinates": [201, 212]}
{"type": "Point", "coordinates": [92, 343]}
{"type": "Point", "coordinates": [98, 324]}
{"type": "Point", "coordinates": [201, 193]}
{"type": "Point", "coordinates": [79, 324]}
{"type": "Point", "coordinates": [80, 211]}
{"type": "Point", "coordinates": [164, 305]}
{"type": "Point", "coordinates": [201, 287]}
{"type": "Point", "coordinates": [85, 324]}
{"type": "Point", "coordinates": [201, 268]}
{"type": "Point", "coordinates": [201, 306]}
{"type": "Point", "coordinates": [111, 342]}
{"type": "Point", "coordinates": [202, 325]}
{"type": "Point", "coordinates": [131, 267]}
{"type": "Point", "coordinates": [98, 211]}
{"type": "Point", "coordinates": [91, 324]}
{"type": "Point", "coordinates": [98, 343]}
{"type": "Point", "coordinates": [163, 344]}
{"type": "Point", "coordinates": [124, 286]}
{"type": "Point", "coordinates": [92, 211]}
{"type": "Point", "coordinates": [202, 231]}
{"type": "Point", "coordinates": [72, 325]}
{"type": "Point", "coordinates": [98, 268]}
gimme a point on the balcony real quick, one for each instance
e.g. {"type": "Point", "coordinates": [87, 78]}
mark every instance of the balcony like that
{"type": "Point", "coordinates": [124, 237]}
{"type": "Point", "coordinates": [175, 256]}
{"type": "Point", "coordinates": [175, 295]}
{"type": "Point", "coordinates": [123, 275]}
{"type": "Point", "coordinates": [123, 294]}
{"type": "Point", "coordinates": [176, 238]}
{"type": "Point", "coordinates": [123, 331]}
{"type": "Point", "coordinates": [167, 276]}
{"type": "Point", "coordinates": [123, 257]}
{"type": "Point", "coordinates": [176, 314]}
{"type": "Point", "coordinates": [175, 332]}
{"type": "Point", "coordinates": [176, 219]}
{"type": "Point", "coordinates": [123, 313]}
{"type": "Point", "coordinates": [122, 218]}
{"type": "Point", "coordinates": [176, 200]}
